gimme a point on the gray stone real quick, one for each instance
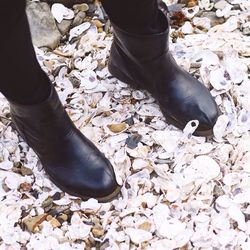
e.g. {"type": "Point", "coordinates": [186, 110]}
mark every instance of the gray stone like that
{"type": "Point", "coordinates": [64, 26]}
{"type": "Point", "coordinates": [42, 25]}
{"type": "Point", "coordinates": [213, 18]}
{"type": "Point", "coordinates": [175, 8]}
{"type": "Point", "coordinates": [78, 18]}
{"type": "Point", "coordinates": [246, 31]}
{"type": "Point", "coordinates": [133, 140]}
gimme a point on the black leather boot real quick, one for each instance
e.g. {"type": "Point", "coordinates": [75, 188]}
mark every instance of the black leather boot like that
{"type": "Point", "coordinates": [72, 162]}
{"type": "Point", "coordinates": [144, 61]}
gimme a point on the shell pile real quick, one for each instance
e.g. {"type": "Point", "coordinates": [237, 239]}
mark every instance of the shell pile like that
{"type": "Point", "coordinates": [178, 191]}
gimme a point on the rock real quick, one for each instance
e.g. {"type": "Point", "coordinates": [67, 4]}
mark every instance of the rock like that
{"type": "Point", "coordinates": [49, 217]}
{"type": "Point", "coordinates": [26, 171]}
{"type": "Point", "coordinates": [98, 231]}
{"type": "Point", "coordinates": [97, 23]}
{"type": "Point", "coordinates": [62, 217]}
{"type": "Point", "coordinates": [246, 28]}
{"type": "Point", "coordinates": [175, 8]}
{"type": "Point", "coordinates": [92, 9]}
{"type": "Point", "coordinates": [55, 223]}
{"type": "Point", "coordinates": [117, 128]}
{"type": "Point", "coordinates": [192, 3]}
{"type": "Point", "coordinates": [130, 121]}
{"type": "Point", "coordinates": [33, 222]}
{"type": "Point", "coordinates": [213, 18]}
{"type": "Point", "coordinates": [146, 226]}
{"type": "Point", "coordinates": [78, 20]}
{"type": "Point", "coordinates": [47, 202]}
{"type": "Point", "coordinates": [81, 7]}
{"type": "Point", "coordinates": [42, 25]}
{"type": "Point", "coordinates": [132, 141]}
{"type": "Point", "coordinates": [246, 31]}
{"type": "Point", "coordinates": [25, 187]}
{"type": "Point", "coordinates": [218, 191]}
{"type": "Point", "coordinates": [64, 26]}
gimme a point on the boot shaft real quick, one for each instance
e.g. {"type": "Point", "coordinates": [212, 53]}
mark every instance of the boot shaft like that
{"type": "Point", "coordinates": [143, 47]}
{"type": "Point", "coordinates": [43, 118]}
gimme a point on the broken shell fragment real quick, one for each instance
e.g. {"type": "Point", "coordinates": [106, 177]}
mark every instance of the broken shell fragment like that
{"type": "Point", "coordinates": [78, 30]}
{"type": "Point", "coordinates": [138, 236]}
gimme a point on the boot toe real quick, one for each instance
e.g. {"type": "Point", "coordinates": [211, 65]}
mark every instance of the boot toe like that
{"type": "Point", "coordinates": [104, 187]}
{"type": "Point", "coordinates": [205, 111]}
{"type": "Point", "coordinates": [208, 119]}
{"type": "Point", "coordinates": [85, 172]}
{"type": "Point", "coordinates": [100, 185]}
{"type": "Point", "coordinates": [209, 112]}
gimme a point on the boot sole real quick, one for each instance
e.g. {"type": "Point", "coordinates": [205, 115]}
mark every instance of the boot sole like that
{"type": "Point", "coordinates": [116, 72]}
{"type": "Point", "coordinates": [104, 199]}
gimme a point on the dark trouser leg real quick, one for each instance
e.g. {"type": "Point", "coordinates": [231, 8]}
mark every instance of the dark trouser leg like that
{"type": "Point", "coordinates": [73, 162]}
{"type": "Point", "coordinates": [136, 16]}
{"type": "Point", "coordinates": [22, 80]}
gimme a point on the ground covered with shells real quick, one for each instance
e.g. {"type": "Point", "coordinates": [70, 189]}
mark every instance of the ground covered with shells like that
{"type": "Point", "coordinates": [179, 191]}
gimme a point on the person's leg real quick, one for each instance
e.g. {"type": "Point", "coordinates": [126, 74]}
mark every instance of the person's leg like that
{"type": "Point", "coordinates": [22, 79]}
{"type": "Point", "coordinates": [73, 162]}
{"type": "Point", "coordinates": [134, 15]}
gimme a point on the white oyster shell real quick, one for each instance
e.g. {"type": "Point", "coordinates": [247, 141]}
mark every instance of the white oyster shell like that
{"type": "Point", "coordinates": [202, 167]}
{"type": "Point", "coordinates": [218, 79]}
{"type": "Point", "coordinates": [203, 22]}
{"type": "Point", "coordinates": [6, 165]}
{"type": "Point", "coordinates": [138, 236]}
{"type": "Point", "coordinates": [236, 214]}
{"type": "Point", "coordinates": [187, 28]}
{"type": "Point", "coordinates": [78, 30]}
{"type": "Point", "coordinates": [60, 12]}
{"type": "Point", "coordinates": [167, 139]}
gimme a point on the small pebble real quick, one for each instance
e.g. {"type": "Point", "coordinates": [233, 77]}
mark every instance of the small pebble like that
{"type": "Point", "coordinates": [55, 223]}
{"type": "Point", "coordinates": [132, 141]}
{"type": "Point", "coordinates": [47, 202]}
{"type": "Point", "coordinates": [26, 171]}
{"type": "Point", "coordinates": [81, 7]}
{"type": "Point", "coordinates": [97, 23]}
{"type": "Point", "coordinates": [25, 187]}
{"type": "Point", "coordinates": [98, 232]}
{"type": "Point", "coordinates": [130, 121]}
{"type": "Point", "coordinates": [78, 20]}
{"type": "Point", "coordinates": [117, 128]}
{"type": "Point", "coordinates": [33, 222]}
